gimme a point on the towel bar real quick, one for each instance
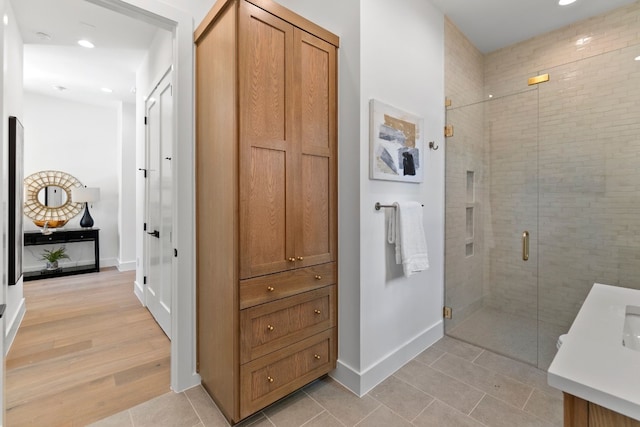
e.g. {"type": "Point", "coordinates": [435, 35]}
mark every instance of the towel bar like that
{"type": "Point", "coordinates": [378, 206]}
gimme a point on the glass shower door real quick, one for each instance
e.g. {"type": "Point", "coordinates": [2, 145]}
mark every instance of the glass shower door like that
{"type": "Point", "coordinates": [491, 271]}
{"type": "Point", "coordinates": [589, 186]}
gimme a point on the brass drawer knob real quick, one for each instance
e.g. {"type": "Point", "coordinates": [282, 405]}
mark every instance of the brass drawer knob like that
{"type": "Point", "coordinates": [318, 277]}
{"type": "Point", "coordinates": [292, 259]}
{"type": "Point", "coordinates": [270, 328]}
{"type": "Point", "coordinates": [270, 379]}
{"type": "Point", "coordinates": [317, 356]}
{"type": "Point", "coordinates": [300, 258]}
{"type": "Point", "coordinates": [270, 288]}
{"type": "Point", "coordinates": [316, 311]}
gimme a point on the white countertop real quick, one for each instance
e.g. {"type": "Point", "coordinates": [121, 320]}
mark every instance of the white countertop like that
{"type": "Point", "coordinates": [592, 362]}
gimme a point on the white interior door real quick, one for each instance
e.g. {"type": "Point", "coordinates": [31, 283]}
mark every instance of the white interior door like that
{"type": "Point", "coordinates": [159, 248]}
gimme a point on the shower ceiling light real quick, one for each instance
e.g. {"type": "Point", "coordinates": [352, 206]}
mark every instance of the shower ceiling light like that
{"type": "Point", "coordinates": [637, 58]}
{"type": "Point", "coordinates": [565, 2]}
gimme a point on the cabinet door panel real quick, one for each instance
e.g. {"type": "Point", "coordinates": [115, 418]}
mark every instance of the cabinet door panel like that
{"type": "Point", "coordinates": [315, 93]}
{"type": "Point", "coordinates": [266, 142]}
{"type": "Point", "coordinates": [265, 221]}
{"type": "Point", "coordinates": [316, 201]}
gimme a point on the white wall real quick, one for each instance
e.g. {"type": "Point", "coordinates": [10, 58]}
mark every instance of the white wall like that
{"type": "Point", "coordinates": [12, 105]}
{"type": "Point", "coordinates": [158, 59]}
{"type": "Point", "coordinates": [79, 139]}
{"type": "Point", "coordinates": [126, 161]}
{"type": "Point", "coordinates": [402, 65]}
{"type": "Point", "coordinates": [384, 319]}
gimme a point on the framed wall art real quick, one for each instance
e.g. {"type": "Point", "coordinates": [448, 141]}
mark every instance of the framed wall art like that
{"type": "Point", "coordinates": [396, 144]}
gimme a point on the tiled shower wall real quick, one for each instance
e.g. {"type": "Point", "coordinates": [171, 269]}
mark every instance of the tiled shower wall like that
{"type": "Point", "coordinates": [588, 161]}
{"type": "Point", "coordinates": [465, 151]}
{"type": "Point", "coordinates": [577, 137]}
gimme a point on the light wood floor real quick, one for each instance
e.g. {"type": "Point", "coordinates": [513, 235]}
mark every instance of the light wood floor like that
{"type": "Point", "coordinates": [86, 349]}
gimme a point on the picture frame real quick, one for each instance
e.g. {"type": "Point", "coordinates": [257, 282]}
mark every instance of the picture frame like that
{"type": "Point", "coordinates": [16, 200]}
{"type": "Point", "coordinates": [396, 140]}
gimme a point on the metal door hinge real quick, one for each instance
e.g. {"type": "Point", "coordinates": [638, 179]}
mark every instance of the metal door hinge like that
{"type": "Point", "coordinates": [144, 280]}
{"type": "Point", "coordinates": [448, 131]}
{"type": "Point", "coordinates": [145, 120]}
{"type": "Point", "coordinates": [145, 171]}
{"type": "Point", "coordinates": [447, 312]}
{"type": "Point", "coordinates": [144, 227]}
{"type": "Point", "coordinates": [175, 252]}
{"type": "Point", "coordinates": [447, 102]}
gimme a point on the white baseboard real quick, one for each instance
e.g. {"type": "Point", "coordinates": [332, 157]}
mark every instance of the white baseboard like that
{"type": "Point", "coordinates": [361, 383]}
{"type": "Point", "coordinates": [14, 324]}
{"type": "Point", "coordinates": [126, 266]}
{"type": "Point", "coordinates": [108, 262]}
{"type": "Point", "coordinates": [192, 381]}
{"type": "Point", "coordinates": [139, 291]}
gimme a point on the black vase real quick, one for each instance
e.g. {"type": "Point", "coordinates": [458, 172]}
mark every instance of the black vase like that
{"type": "Point", "coordinates": [86, 221]}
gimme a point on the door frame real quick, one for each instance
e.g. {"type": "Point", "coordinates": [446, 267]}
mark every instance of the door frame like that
{"type": "Point", "coordinates": [180, 23]}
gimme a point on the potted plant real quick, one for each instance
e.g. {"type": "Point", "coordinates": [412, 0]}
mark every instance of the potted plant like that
{"type": "Point", "coordinates": [53, 256]}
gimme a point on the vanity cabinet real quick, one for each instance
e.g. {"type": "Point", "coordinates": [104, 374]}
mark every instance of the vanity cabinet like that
{"type": "Point", "coordinates": [266, 195]}
{"type": "Point", "coordinates": [582, 413]}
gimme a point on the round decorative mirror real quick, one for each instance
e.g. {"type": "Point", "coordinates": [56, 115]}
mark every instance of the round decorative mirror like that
{"type": "Point", "coordinates": [48, 198]}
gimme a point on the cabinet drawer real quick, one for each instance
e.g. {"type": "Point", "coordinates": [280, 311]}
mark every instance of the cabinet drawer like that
{"type": "Point", "coordinates": [269, 327]}
{"type": "Point", "coordinates": [265, 380]}
{"type": "Point", "coordinates": [274, 286]}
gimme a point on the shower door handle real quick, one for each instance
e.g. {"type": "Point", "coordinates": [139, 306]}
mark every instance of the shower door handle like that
{"type": "Point", "coordinates": [525, 246]}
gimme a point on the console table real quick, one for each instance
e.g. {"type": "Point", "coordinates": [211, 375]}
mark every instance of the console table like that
{"type": "Point", "coordinates": [33, 238]}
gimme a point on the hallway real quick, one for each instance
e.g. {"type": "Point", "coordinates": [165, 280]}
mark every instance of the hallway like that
{"type": "Point", "coordinates": [86, 349]}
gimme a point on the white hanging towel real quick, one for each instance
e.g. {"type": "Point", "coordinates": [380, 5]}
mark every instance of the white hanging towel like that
{"type": "Point", "coordinates": [405, 229]}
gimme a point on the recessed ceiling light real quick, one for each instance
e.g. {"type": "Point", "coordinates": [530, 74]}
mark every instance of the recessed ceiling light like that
{"type": "Point", "coordinates": [5, 19]}
{"type": "Point", "coordinates": [565, 2]}
{"type": "Point", "coordinates": [86, 43]}
{"type": "Point", "coordinates": [637, 58]}
{"type": "Point", "coordinates": [106, 90]}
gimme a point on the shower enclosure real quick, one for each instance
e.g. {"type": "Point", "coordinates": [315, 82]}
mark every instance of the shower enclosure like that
{"type": "Point", "coordinates": [542, 201]}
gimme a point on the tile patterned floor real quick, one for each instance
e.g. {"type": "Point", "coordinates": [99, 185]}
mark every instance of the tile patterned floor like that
{"type": "Point", "coordinates": [450, 384]}
{"type": "Point", "coordinates": [518, 337]}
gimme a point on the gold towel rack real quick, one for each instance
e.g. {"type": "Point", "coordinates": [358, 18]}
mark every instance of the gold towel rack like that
{"type": "Point", "coordinates": [378, 206]}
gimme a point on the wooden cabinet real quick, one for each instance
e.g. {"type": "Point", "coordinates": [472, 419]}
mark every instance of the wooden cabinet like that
{"type": "Point", "coordinates": [266, 194]}
{"type": "Point", "coordinates": [287, 145]}
{"type": "Point", "coordinates": [582, 413]}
